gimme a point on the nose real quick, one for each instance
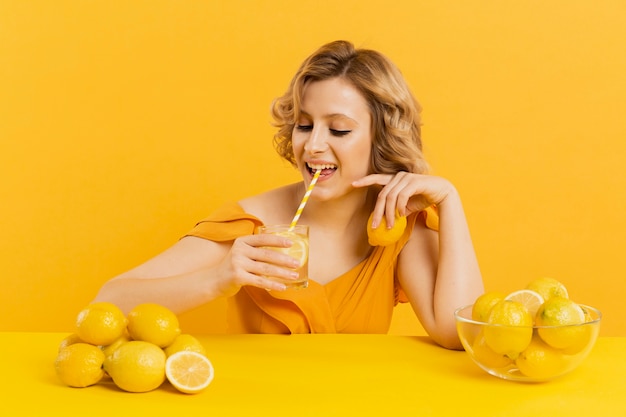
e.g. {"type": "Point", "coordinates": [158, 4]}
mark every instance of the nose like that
{"type": "Point", "coordinates": [316, 141]}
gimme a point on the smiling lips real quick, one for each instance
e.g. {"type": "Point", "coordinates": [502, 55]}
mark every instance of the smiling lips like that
{"type": "Point", "coordinates": [327, 169]}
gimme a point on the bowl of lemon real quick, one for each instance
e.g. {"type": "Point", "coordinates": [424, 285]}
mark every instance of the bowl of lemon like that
{"type": "Point", "coordinates": [534, 334]}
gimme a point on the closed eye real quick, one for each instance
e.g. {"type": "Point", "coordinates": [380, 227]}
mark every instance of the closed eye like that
{"type": "Point", "coordinates": [304, 128]}
{"type": "Point", "coordinates": [336, 132]}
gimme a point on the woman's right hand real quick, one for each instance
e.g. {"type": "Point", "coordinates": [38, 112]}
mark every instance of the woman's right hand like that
{"type": "Point", "coordinates": [251, 261]}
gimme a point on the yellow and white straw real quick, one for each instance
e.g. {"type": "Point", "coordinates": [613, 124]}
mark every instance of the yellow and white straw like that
{"type": "Point", "coordinates": [304, 199]}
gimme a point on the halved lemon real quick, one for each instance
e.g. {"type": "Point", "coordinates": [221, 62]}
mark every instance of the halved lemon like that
{"type": "Point", "coordinates": [188, 371]}
{"type": "Point", "coordinates": [530, 299]}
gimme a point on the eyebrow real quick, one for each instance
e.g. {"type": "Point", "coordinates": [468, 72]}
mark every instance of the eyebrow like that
{"type": "Point", "coordinates": [332, 116]}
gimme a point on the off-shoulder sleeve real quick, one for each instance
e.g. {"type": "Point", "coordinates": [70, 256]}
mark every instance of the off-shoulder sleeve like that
{"type": "Point", "coordinates": [431, 215]}
{"type": "Point", "coordinates": [226, 223]}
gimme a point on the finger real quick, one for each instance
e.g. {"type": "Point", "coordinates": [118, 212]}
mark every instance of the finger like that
{"type": "Point", "coordinates": [264, 248]}
{"type": "Point", "coordinates": [391, 202]}
{"type": "Point", "coordinates": [275, 257]}
{"type": "Point", "coordinates": [265, 283]}
{"type": "Point", "coordinates": [263, 261]}
{"type": "Point", "coordinates": [274, 273]}
{"type": "Point", "coordinates": [388, 197]}
{"type": "Point", "coordinates": [404, 190]}
{"type": "Point", "coordinates": [377, 214]}
{"type": "Point", "coordinates": [380, 206]}
{"type": "Point", "coordinates": [263, 275]}
{"type": "Point", "coordinates": [373, 179]}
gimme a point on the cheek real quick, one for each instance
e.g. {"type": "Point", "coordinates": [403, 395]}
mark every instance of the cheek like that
{"type": "Point", "coordinates": [361, 157]}
{"type": "Point", "coordinates": [295, 142]}
{"type": "Point", "coordinates": [297, 146]}
{"type": "Point", "coordinates": [367, 158]}
{"type": "Point", "coordinates": [366, 149]}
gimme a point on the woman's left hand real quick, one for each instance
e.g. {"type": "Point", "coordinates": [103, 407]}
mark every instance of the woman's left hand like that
{"type": "Point", "coordinates": [405, 193]}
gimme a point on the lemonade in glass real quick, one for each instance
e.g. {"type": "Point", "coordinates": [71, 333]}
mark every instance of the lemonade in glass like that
{"type": "Point", "coordinates": [299, 235]}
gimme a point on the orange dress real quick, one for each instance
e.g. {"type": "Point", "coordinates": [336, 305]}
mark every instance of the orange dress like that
{"type": "Point", "coordinates": [359, 301]}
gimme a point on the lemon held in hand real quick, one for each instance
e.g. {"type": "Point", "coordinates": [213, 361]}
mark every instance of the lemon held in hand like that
{"type": "Point", "coordinates": [383, 236]}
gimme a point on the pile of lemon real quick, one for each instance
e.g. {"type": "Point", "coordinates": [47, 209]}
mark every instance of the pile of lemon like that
{"type": "Point", "coordinates": [535, 328]}
{"type": "Point", "coordinates": [138, 351]}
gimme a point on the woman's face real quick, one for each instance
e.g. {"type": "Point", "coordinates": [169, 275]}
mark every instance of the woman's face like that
{"type": "Point", "coordinates": [333, 133]}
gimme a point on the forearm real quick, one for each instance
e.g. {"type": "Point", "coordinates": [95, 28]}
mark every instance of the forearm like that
{"type": "Point", "coordinates": [179, 293]}
{"type": "Point", "coordinates": [459, 281]}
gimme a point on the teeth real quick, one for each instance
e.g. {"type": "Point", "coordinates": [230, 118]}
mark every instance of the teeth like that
{"type": "Point", "coordinates": [321, 166]}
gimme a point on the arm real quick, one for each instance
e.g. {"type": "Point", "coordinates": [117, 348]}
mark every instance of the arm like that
{"type": "Point", "coordinates": [438, 271]}
{"type": "Point", "coordinates": [195, 271]}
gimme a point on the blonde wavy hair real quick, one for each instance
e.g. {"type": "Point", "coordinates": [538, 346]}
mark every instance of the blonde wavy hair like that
{"type": "Point", "coordinates": [396, 141]}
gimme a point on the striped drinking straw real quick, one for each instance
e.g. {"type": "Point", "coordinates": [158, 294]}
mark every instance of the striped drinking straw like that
{"type": "Point", "coordinates": [304, 199]}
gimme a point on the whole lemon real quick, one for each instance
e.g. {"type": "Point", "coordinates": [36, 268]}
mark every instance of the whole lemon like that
{"type": "Point", "coordinates": [562, 317]}
{"type": "Point", "coordinates": [79, 365]}
{"type": "Point", "coordinates": [512, 330]}
{"type": "Point", "coordinates": [100, 323]}
{"type": "Point", "coordinates": [69, 340]}
{"type": "Point", "coordinates": [185, 342]}
{"type": "Point", "coordinates": [153, 323]}
{"type": "Point", "coordinates": [136, 366]}
{"type": "Point", "coordinates": [548, 287]}
{"type": "Point", "coordinates": [539, 360]}
{"type": "Point", "coordinates": [383, 236]}
{"type": "Point", "coordinates": [484, 303]}
{"type": "Point", "coordinates": [109, 349]}
{"type": "Point", "coordinates": [486, 356]}
{"type": "Point", "coordinates": [587, 333]}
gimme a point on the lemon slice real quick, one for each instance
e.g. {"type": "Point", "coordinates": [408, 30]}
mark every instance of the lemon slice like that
{"type": "Point", "coordinates": [188, 371]}
{"type": "Point", "coordinates": [530, 299]}
{"type": "Point", "coordinates": [299, 248]}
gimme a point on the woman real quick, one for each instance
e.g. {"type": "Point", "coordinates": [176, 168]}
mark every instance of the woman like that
{"type": "Point", "coordinates": [349, 113]}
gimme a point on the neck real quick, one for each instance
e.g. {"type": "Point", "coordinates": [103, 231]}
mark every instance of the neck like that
{"type": "Point", "coordinates": [338, 214]}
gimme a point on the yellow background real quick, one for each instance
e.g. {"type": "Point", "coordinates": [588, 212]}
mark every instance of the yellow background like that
{"type": "Point", "coordinates": [122, 123]}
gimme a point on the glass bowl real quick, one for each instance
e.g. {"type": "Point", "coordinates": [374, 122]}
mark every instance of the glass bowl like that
{"type": "Point", "coordinates": [518, 353]}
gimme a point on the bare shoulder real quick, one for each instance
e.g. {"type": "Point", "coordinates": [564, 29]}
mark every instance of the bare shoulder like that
{"type": "Point", "coordinates": [422, 245]}
{"type": "Point", "coordinates": [274, 206]}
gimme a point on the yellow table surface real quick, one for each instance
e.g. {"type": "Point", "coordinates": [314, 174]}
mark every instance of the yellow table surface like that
{"type": "Point", "coordinates": [320, 375]}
